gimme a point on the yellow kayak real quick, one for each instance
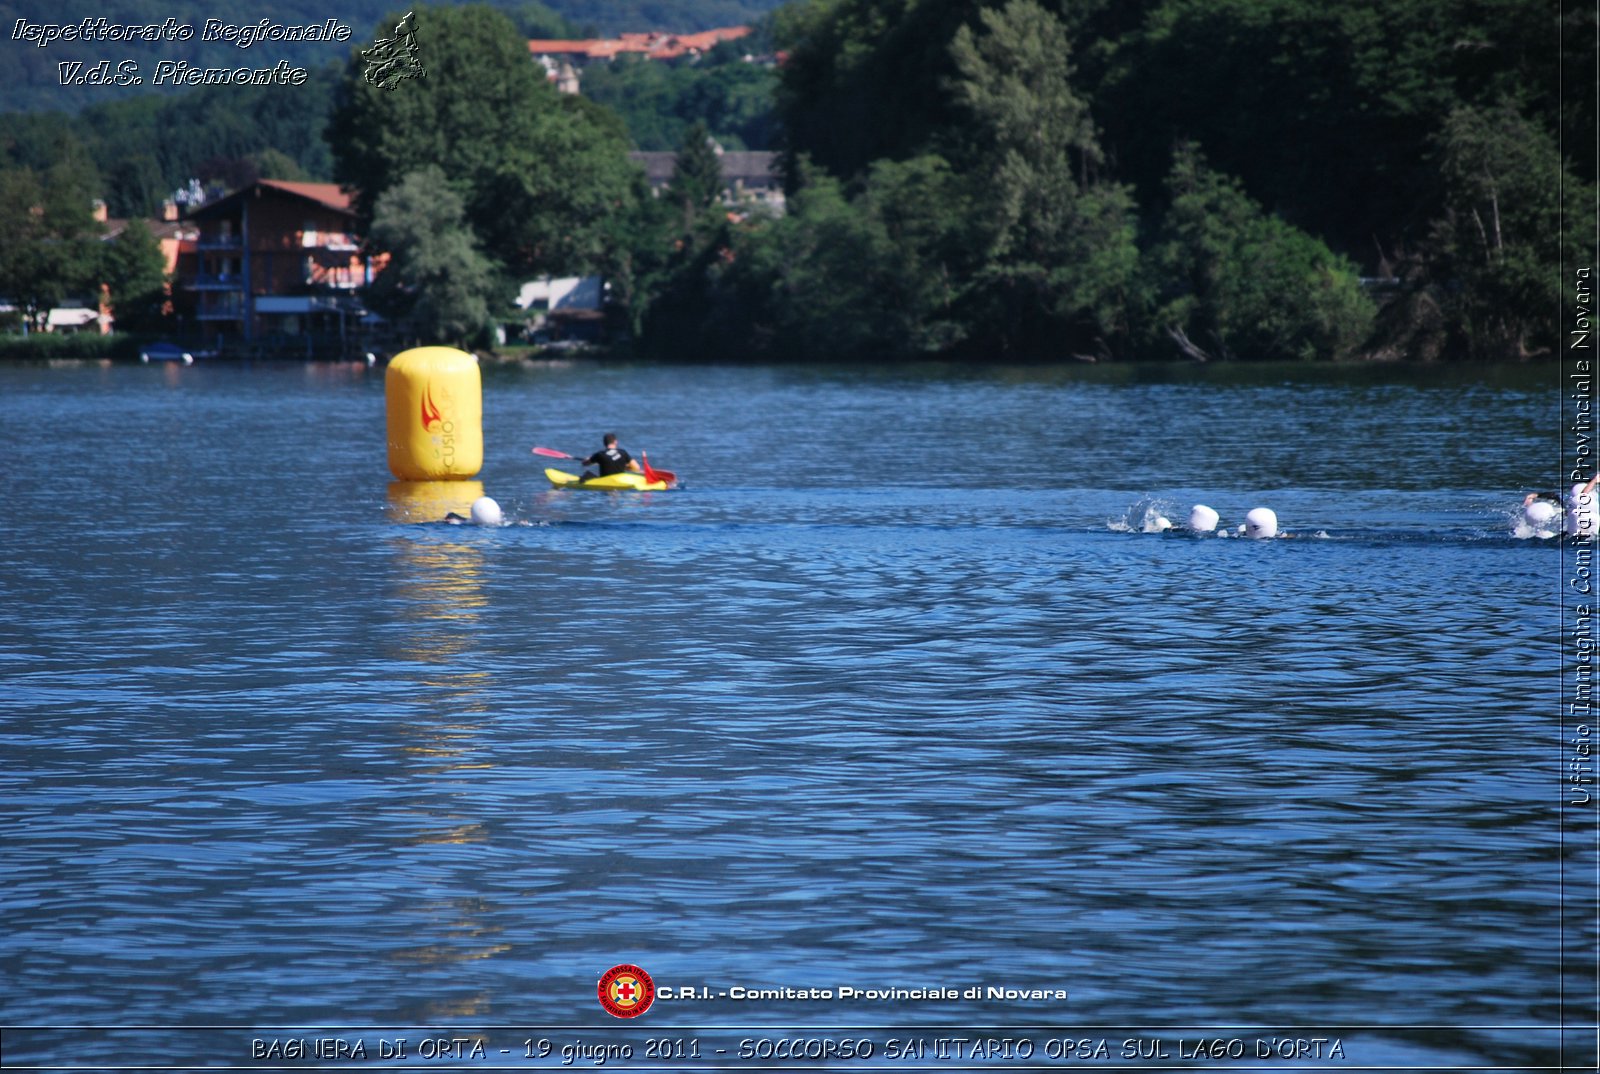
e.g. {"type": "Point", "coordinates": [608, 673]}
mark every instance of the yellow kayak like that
{"type": "Point", "coordinates": [610, 483]}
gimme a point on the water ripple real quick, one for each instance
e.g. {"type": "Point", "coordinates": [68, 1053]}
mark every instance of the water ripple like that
{"type": "Point", "coordinates": [275, 756]}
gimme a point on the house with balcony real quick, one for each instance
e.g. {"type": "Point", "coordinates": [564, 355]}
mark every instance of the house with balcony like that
{"type": "Point", "coordinates": [278, 268]}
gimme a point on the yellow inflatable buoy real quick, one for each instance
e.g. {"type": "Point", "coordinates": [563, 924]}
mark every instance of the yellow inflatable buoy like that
{"type": "Point", "coordinates": [435, 403]}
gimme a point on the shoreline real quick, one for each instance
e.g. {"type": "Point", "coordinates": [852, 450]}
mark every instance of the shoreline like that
{"type": "Point", "coordinates": [121, 350]}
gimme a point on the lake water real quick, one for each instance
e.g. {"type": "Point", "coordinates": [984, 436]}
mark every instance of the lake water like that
{"type": "Point", "coordinates": [894, 694]}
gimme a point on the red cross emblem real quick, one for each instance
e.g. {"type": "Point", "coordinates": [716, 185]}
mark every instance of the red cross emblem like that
{"type": "Point", "coordinates": [626, 991]}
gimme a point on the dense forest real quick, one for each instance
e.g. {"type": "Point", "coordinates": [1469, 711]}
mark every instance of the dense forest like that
{"type": "Point", "coordinates": [1043, 179]}
{"type": "Point", "coordinates": [1209, 174]}
{"type": "Point", "coordinates": [659, 102]}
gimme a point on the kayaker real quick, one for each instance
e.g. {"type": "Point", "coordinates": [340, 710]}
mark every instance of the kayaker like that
{"type": "Point", "coordinates": [611, 459]}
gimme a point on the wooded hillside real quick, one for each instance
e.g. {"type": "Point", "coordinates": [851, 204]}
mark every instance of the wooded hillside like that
{"type": "Point", "coordinates": [1043, 179]}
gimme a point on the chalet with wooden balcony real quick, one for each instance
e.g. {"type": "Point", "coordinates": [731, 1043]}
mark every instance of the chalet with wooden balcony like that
{"type": "Point", "coordinates": [279, 267]}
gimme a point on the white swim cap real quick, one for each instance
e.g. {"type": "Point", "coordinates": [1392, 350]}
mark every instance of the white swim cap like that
{"type": "Point", "coordinates": [485, 512]}
{"type": "Point", "coordinates": [1202, 519]}
{"type": "Point", "coordinates": [1261, 522]}
{"type": "Point", "coordinates": [1541, 512]}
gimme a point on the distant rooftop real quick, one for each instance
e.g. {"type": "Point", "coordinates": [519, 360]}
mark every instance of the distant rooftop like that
{"type": "Point", "coordinates": [748, 168]}
{"type": "Point", "coordinates": [652, 46]}
{"type": "Point", "coordinates": [329, 195]}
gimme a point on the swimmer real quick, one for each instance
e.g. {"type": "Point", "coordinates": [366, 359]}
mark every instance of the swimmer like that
{"type": "Point", "coordinates": [1542, 511]}
{"type": "Point", "coordinates": [485, 512]}
{"type": "Point", "coordinates": [1260, 522]}
{"type": "Point", "coordinates": [1157, 524]}
{"type": "Point", "coordinates": [1203, 519]}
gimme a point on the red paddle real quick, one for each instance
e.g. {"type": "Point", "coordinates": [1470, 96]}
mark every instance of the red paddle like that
{"type": "Point", "coordinates": [652, 475]}
{"type": "Point", "coordinates": [554, 454]}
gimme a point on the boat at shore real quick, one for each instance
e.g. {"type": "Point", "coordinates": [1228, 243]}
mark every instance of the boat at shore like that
{"type": "Point", "coordinates": [165, 352]}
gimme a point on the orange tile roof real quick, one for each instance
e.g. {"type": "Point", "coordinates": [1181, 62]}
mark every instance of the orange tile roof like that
{"type": "Point", "coordinates": [330, 194]}
{"type": "Point", "coordinates": [653, 45]}
{"type": "Point", "coordinates": [552, 48]}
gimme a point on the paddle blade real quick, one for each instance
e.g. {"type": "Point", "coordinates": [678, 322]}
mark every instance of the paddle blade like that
{"type": "Point", "coordinates": [552, 453]}
{"type": "Point", "coordinates": [652, 474]}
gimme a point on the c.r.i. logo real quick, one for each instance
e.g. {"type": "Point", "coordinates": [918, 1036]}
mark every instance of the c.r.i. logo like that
{"type": "Point", "coordinates": [626, 991]}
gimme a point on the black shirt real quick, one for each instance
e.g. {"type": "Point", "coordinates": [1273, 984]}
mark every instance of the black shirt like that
{"type": "Point", "coordinates": [613, 460]}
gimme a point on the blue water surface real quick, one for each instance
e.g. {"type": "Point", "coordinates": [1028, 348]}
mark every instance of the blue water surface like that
{"type": "Point", "coordinates": [893, 693]}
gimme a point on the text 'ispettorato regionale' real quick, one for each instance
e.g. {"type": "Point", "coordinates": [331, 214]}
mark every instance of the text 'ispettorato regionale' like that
{"type": "Point", "coordinates": [127, 72]}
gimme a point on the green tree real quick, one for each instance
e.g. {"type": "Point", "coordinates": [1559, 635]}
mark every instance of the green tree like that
{"type": "Point", "coordinates": [135, 187]}
{"type": "Point", "coordinates": [538, 174]}
{"type": "Point", "coordinates": [1240, 283]}
{"type": "Point", "coordinates": [866, 80]}
{"type": "Point", "coordinates": [134, 271]}
{"type": "Point", "coordinates": [641, 247]}
{"type": "Point", "coordinates": [696, 182]}
{"type": "Point", "coordinates": [930, 232]}
{"type": "Point", "coordinates": [644, 94]}
{"type": "Point", "coordinates": [1011, 245]}
{"type": "Point", "coordinates": [147, 147]}
{"type": "Point", "coordinates": [535, 20]}
{"type": "Point", "coordinates": [275, 164]}
{"type": "Point", "coordinates": [549, 207]}
{"type": "Point", "coordinates": [658, 249]}
{"type": "Point", "coordinates": [679, 254]}
{"type": "Point", "coordinates": [1497, 247]}
{"type": "Point", "coordinates": [733, 99]}
{"type": "Point", "coordinates": [437, 282]}
{"type": "Point", "coordinates": [872, 277]}
{"type": "Point", "coordinates": [1325, 111]}
{"type": "Point", "coordinates": [816, 267]}
{"type": "Point", "coordinates": [1059, 254]}
{"type": "Point", "coordinates": [49, 239]}
{"type": "Point", "coordinates": [659, 101]}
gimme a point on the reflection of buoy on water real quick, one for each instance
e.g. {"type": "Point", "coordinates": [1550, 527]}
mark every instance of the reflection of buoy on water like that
{"type": "Point", "coordinates": [1202, 519]}
{"type": "Point", "coordinates": [432, 501]}
{"type": "Point", "coordinates": [485, 512]}
{"type": "Point", "coordinates": [434, 399]}
{"type": "Point", "coordinates": [1261, 522]}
